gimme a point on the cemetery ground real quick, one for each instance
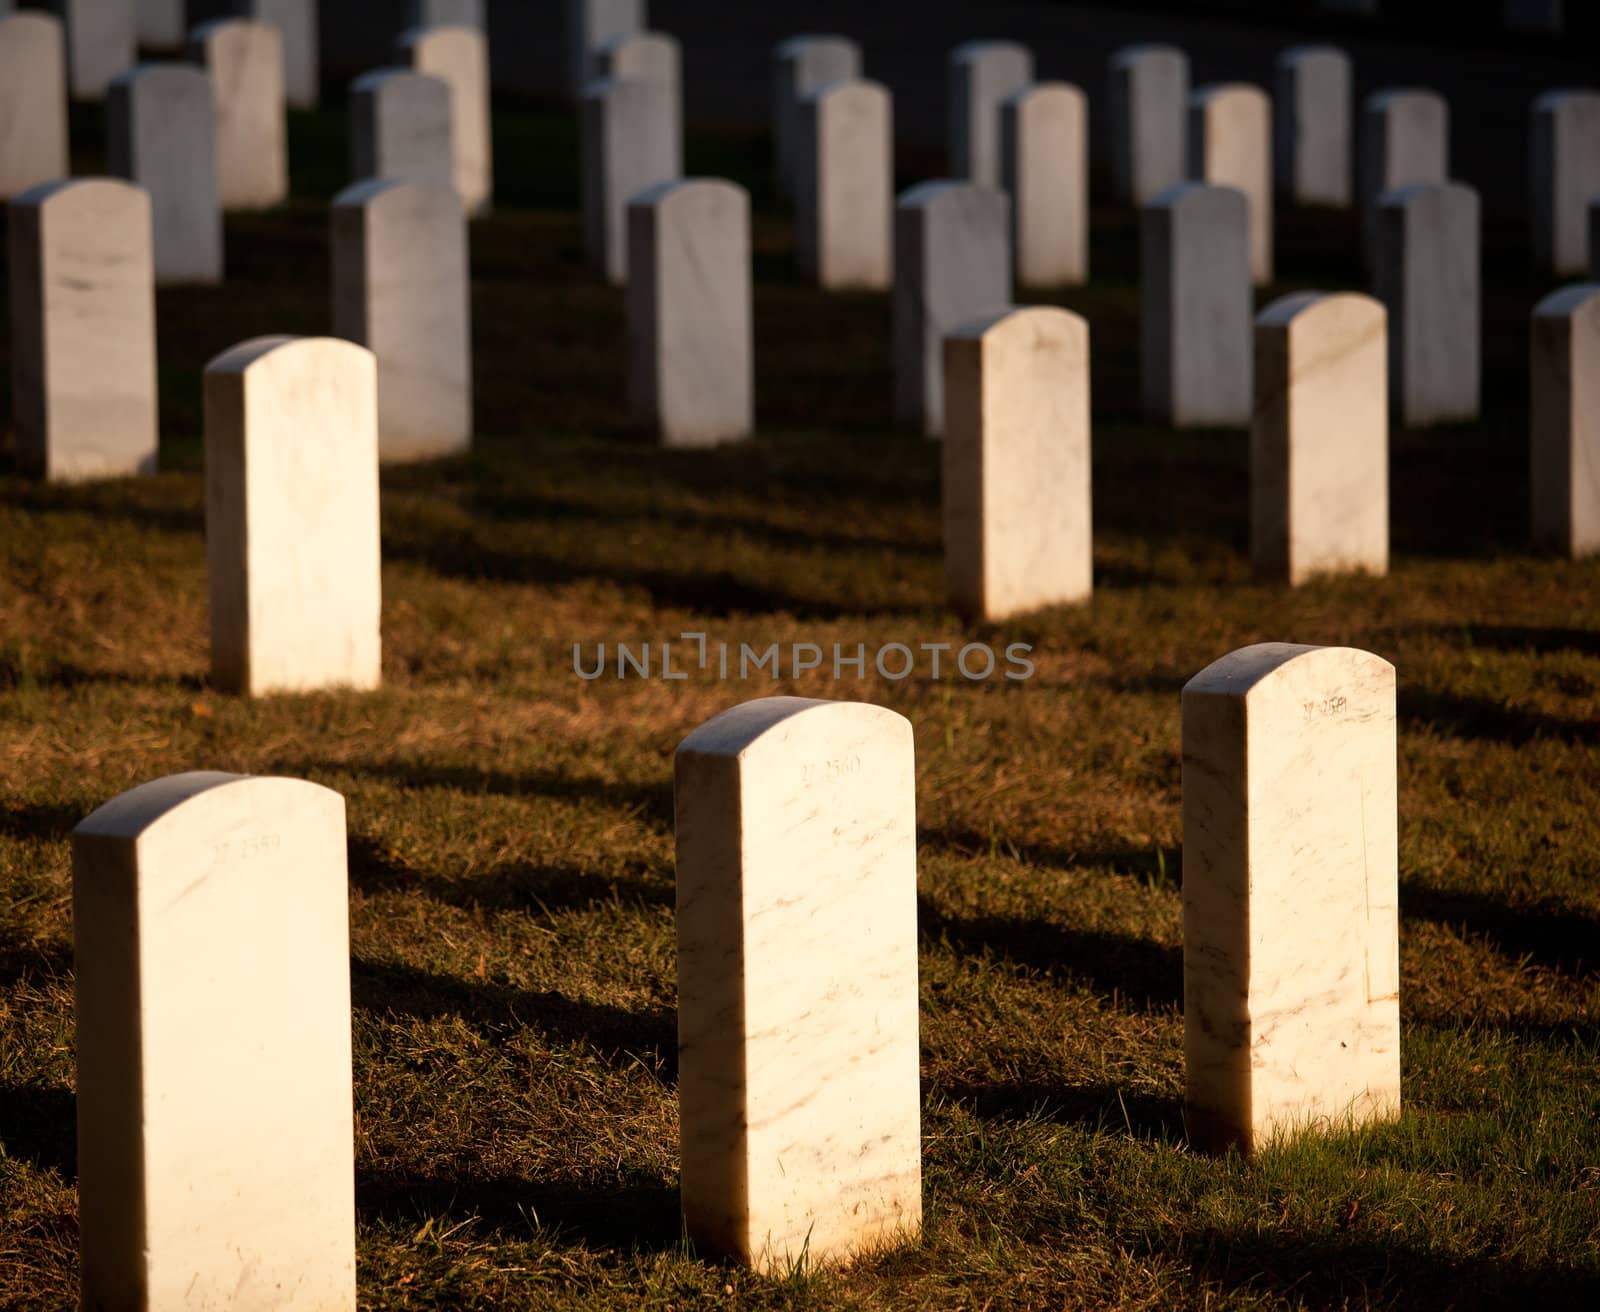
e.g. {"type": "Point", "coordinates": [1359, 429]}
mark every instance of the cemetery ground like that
{"type": "Point", "coordinates": [511, 848]}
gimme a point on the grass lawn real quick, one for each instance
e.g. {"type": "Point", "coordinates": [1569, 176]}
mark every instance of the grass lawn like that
{"type": "Point", "coordinates": [511, 868]}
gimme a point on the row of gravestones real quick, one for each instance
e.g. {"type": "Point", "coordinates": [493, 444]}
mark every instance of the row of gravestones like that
{"type": "Point", "coordinates": [210, 136]}
{"type": "Point", "coordinates": [215, 1147]}
{"type": "Point", "coordinates": [294, 431]}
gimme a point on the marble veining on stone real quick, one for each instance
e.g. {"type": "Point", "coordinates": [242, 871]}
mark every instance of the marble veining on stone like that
{"type": "Point", "coordinates": [216, 1163]}
{"type": "Point", "coordinates": [1290, 901]}
{"type": "Point", "coordinates": [797, 981]}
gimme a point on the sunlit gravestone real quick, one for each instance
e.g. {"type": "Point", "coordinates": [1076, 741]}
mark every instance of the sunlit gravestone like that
{"type": "Point", "coordinates": [245, 62]}
{"type": "Point", "coordinates": [1291, 980]}
{"type": "Point", "coordinates": [691, 373]}
{"type": "Point", "coordinates": [400, 288]}
{"type": "Point", "coordinates": [798, 1085]}
{"type": "Point", "coordinates": [1016, 496]}
{"type": "Point", "coordinates": [292, 515]}
{"type": "Point", "coordinates": [33, 102]}
{"type": "Point", "coordinates": [161, 132]}
{"type": "Point", "coordinates": [215, 1122]}
{"type": "Point", "coordinates": [1565, 430]}
{"type": "Point", "coordinates": [1319, 443]}
{"type": "Point", "coordinates": [83, 330]}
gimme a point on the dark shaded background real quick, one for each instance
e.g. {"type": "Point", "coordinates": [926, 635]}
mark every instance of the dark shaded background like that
{"type": "Point", "coordinates": [1458, 47]}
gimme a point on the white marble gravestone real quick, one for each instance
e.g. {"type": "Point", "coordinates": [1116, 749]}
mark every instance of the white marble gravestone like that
{"type": "Point", "coordinates": [33, 102]}
{"type": "Point", "coordinates": [1291, 978]}
{"type": "Point", "coordinates": [292, 515]}
{"type": "Point", "coordinates": [83, 330]}
{"type": "Point", "coordinates": [161, 132]}
{"type": "Point", "coordinates": [1405, 139]}
{"type": "Point", "coordinates": [1016, 499]}
{"type": "Point", "coordinates": [1428, 276]}
{"type": "Point", "coordinates": [245, 61]}
{"type": "Point", "coordinates": [400, 288]}
{"type": "Point", "coordinates": [1319, 444]}
{"type": "Point", "coordinates": [798, 1085]}
{"type": "Point", "coordinates": [1564, 176]}
{"type": "Point", "coordinates": [296, 21]}
{"type": "Point", "coordinates": [651, 57]}
{"type": "Point", "coordinates": [400, 127]}
{"type": "Point", "coordinates": [211, 952]}
{"type": "Point", "coordinates": [983, 74]}
{"type": "Point", "coordinates": [1044, 167]}
{"type": "Point", "coordinates": [592, 24]}
{"type": "Point", "coordinates": [691, 374]}
{"type": "Point", "coordinates": [1311, 135]}
{"type": "Point", "coordinates": [1195, 307]}
{"type": "Point", "coordinates": [445, 13]}
{"type": "Point", "coordinates": [626, 142]}
{"type": "Point", "coordinates": [162, 24]}
{"type": "Point", "coordinates": [102, 41]}
{"type": "Point", "coordinates": [459, 57]}
{"type": "Point", "coordinates": [844, 192]}
{"type": "Point", "coordinates": [952, 264]}
{"type": "Point", "coordinates": [1149, 93]}
{"type": "Point", "coordinates": [1230, 145]}
{"type": "Point", "coordinates": [800, 66]}
{"type": "Point", "coordinates": [1565, 428]}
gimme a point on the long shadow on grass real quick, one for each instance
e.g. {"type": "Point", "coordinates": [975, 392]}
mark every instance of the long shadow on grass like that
{"type": "Point", "coordinates": [39, 1124]}
{"type": "Point", "coordinates": [652, 803]}
{"type": "Point", "coordinates": [519, 886]}
{"type": "Point", "coordinates": [642, 1215]}
{"type": "Point", "coordinates": [1154, 865]}
{"type": "Point", "coordinates": [1478, 717]}
{"type": "Point", "coordinates": [1514, 638]}
{"type": "Point", "coordinates": [1322, 1272]}
{"type": "Point", "coordinates": [711, 592]}
{"type": "Point", "coordinates": [1563, 938]}
{"type": "Point", "coordinates": [617, 1035]}
{"type": "Point", "coordinates": [33, 962]}
{"type": "Point", "coordinates": [1095, 1106]}
{"type": "Point", "coordinates": [48, 822]}
{"type": "Point", "coordinates": [1143, 975]}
